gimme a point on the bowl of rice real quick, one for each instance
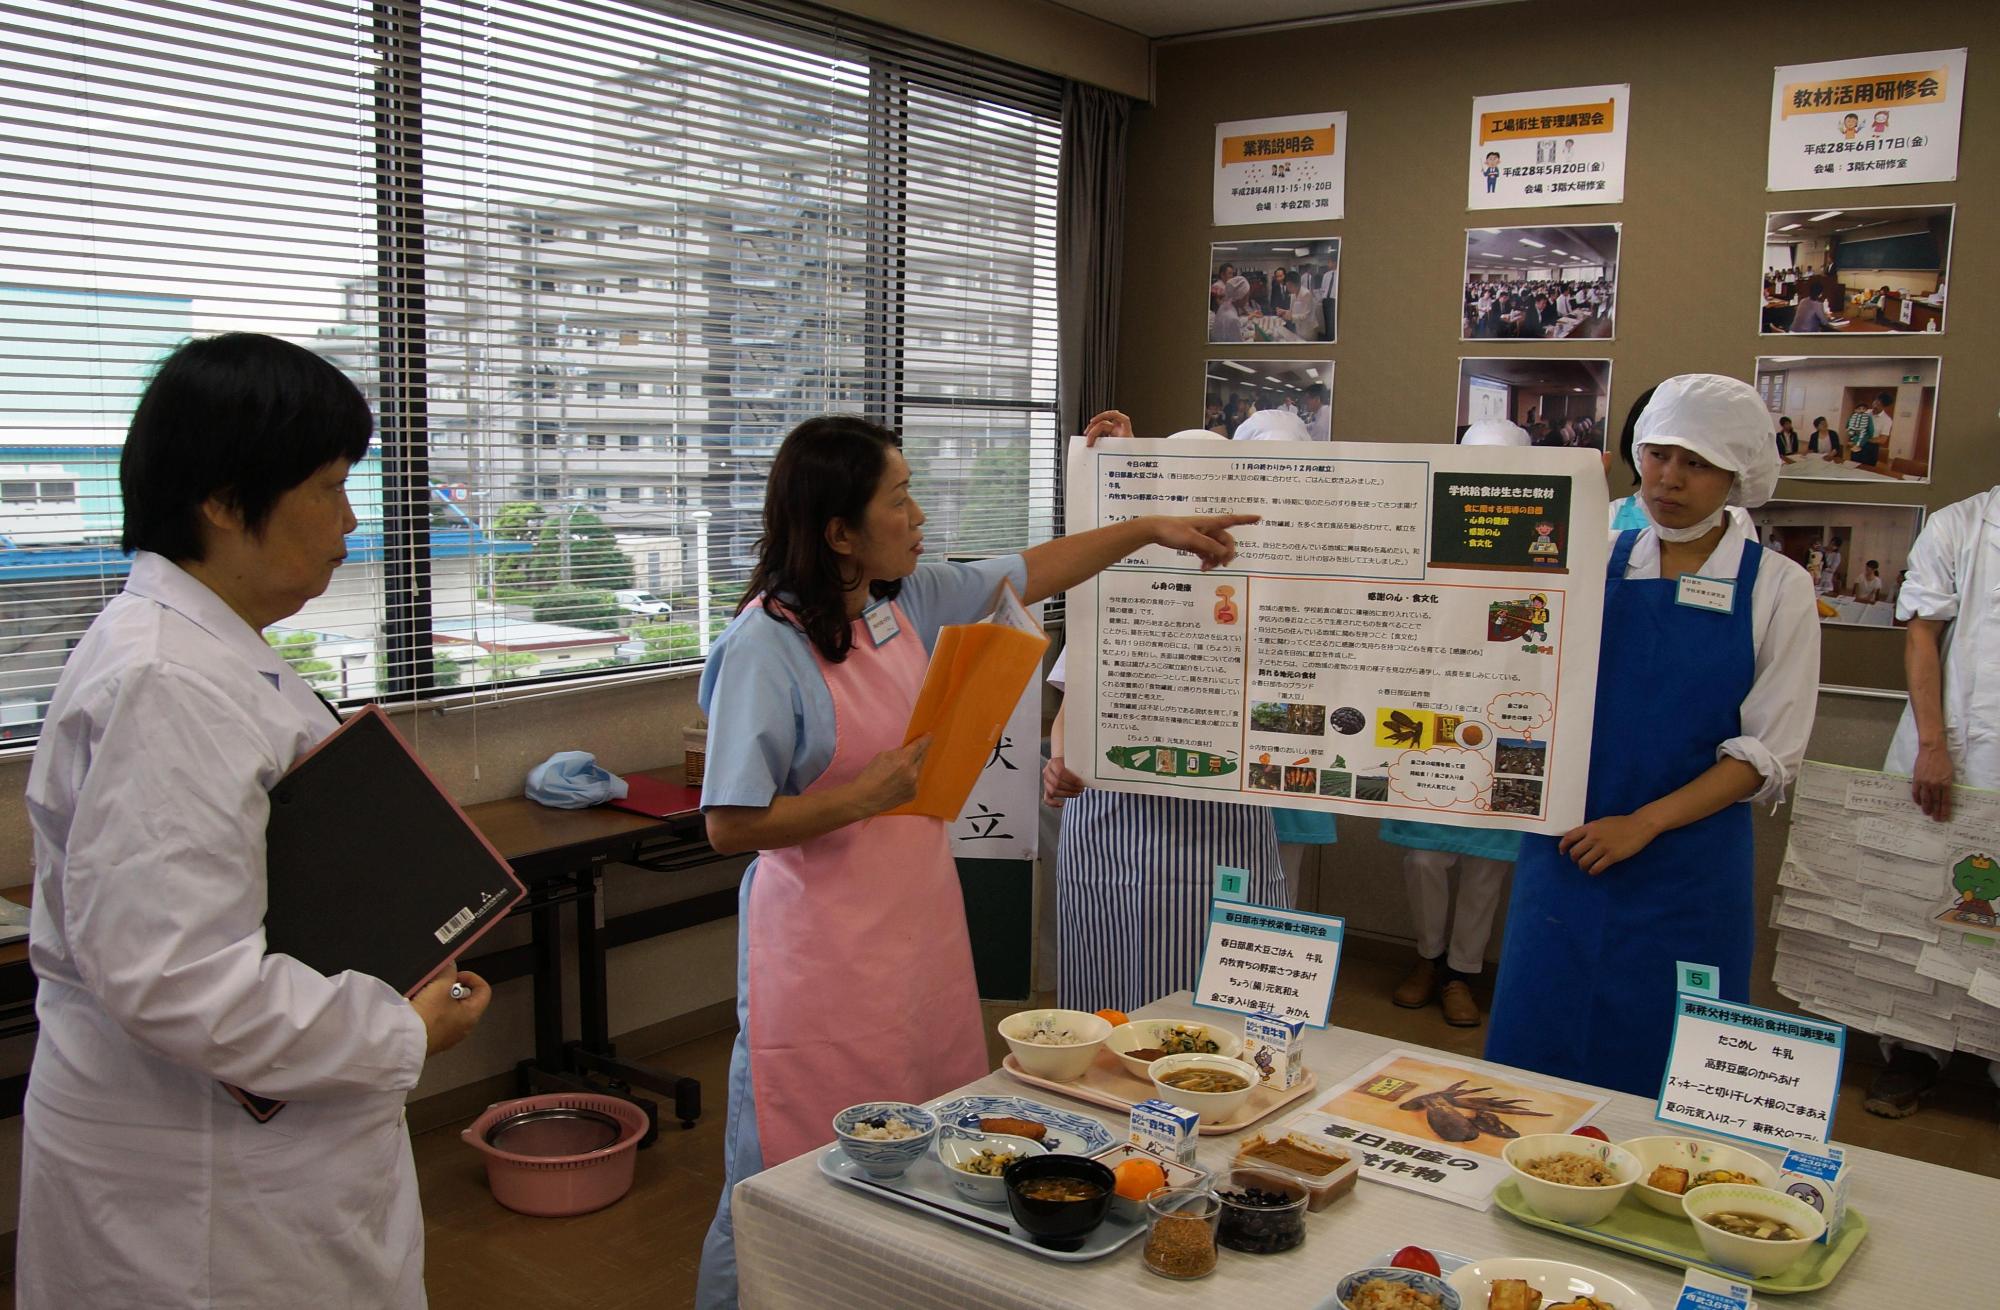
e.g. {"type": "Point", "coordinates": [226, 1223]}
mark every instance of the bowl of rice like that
{"type": "Point", "coordinates": [1570, 1179]}
{"type": "Point", "coordinates": [1054, 1044]}
{"type": "Point", "coordinates": [1389, 1288]}
{"type": "Point", "coordinates": [885, 1137]}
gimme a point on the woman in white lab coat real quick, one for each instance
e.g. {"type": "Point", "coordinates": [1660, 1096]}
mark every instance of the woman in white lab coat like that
{"type": "Point", "coordinates": [143, 1181]}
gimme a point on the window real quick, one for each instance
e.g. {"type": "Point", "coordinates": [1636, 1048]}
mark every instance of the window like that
{"type": "Point", "coordinates": [808, 216]}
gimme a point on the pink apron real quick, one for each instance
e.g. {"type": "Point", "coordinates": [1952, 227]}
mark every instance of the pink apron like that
{"type": "Point", "coordinates": [861, 983]}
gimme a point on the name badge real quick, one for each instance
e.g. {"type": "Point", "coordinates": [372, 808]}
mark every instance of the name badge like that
{"type": "Point", "coordinates": [1717, 594]}
{"type": "Point", "coordinates": [881, 621]}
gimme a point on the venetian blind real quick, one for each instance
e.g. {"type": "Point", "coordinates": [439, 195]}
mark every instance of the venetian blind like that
{"type": "Point", "coordinates": [589, 262]}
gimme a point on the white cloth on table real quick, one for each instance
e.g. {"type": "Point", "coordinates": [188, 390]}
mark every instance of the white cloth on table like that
{"type": "Point", "coordinates": [143, 1182]}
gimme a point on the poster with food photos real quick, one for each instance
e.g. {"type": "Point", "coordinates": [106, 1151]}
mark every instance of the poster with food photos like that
{"type": "Point", "coordinates": [1276, 170]}
{"type": "Point", "coordinates": [1410, 632]}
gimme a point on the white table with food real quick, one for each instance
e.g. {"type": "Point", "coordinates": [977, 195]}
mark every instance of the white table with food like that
{"type": "Point", "coordinates": [1359, 1181]}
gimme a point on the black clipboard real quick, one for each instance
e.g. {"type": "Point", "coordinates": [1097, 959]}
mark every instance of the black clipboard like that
{"type": "Point", "coordinates": [371, 868]}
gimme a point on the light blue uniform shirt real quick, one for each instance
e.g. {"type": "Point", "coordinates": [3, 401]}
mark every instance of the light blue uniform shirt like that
{"type": "Point", "coordinates": [771, 726]}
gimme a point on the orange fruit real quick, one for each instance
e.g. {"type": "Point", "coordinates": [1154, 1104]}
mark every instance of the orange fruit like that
{"type": "Point", "coordinates": [1113, 1017]}
{"type": "Point", "coordinates": [1139, 1179]}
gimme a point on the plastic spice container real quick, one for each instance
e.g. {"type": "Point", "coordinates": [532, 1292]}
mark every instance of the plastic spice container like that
{"type": "Point", "coordinates": [1263, 1212]}
{"type": "Point", "coordinates": [1180, 1232]}
{"type": "Point", "coordinates": [1322, 1186]}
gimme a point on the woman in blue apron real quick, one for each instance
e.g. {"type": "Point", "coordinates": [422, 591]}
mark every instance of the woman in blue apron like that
{"type": "Point", "coordinates": [1706, 688]}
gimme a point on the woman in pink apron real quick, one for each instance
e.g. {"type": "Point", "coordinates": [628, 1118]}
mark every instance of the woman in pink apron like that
{"type": "Point", "coordinates": [854, 971]}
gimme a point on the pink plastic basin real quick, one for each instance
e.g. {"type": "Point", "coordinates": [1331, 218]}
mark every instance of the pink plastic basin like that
{"type": "Point", "coordinates": [550, 1185]}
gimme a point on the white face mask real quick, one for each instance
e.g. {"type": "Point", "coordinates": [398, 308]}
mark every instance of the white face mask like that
{"type": "Point", "coordinates": [1693, 533]}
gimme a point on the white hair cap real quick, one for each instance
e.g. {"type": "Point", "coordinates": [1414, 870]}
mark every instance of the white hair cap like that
{"type": "Point", "coordinates": [1724, 421]}
{"type": "Point", "coordinates": [1195, 434]}
{"type": "Point", "coordinates": [1239, 287]}
{"type": "Point", "coordinates": [1496, 432]}
{"type": "Point", "coordinates": [1276, 425]}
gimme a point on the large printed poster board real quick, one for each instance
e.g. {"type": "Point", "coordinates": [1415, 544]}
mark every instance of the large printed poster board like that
{"type": "Point", "coordinates": [1880, 121]}
{"type": "Point", "coordinates": [1276, 170]}
{"type": "Point", "coordinates": [1536, 148]}
{"type": "Point", "coordinates": [1410, 633]}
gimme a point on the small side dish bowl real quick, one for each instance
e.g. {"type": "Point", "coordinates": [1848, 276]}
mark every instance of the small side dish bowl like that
{"type": "Point", "coordinates": [1696, 1156]}
{"type": "Point", "coordinates": [1213, 1107]}
{"type": "Point", "coordinates": [1059, 1061]}
{"type": "Point", "coordinates": [982, 1189]}
{"type": "Point", "coordinates": [1757, 1257]}
{"type": "Point", "coordinates": [1570, 1203]}
{"type": "Point", "coordinates": [1417, 1281]}
{"type": "Point", "coordinates": [884, 1157]}
{"type": "Point", "coordinates": [1060, 1224]}
{"type": "Point", "coordinates": [1150, 1034]}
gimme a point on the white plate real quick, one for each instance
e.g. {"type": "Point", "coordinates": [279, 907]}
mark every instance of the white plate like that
{"type": "Point", "coordinates": [1555, 1280]}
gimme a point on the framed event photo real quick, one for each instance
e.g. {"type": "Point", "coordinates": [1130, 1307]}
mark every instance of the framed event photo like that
{"type": "Point", "coordinates": [1852, 418]}
{"type": "Point", "coordinates": [1235, 389]}
{"type": "Point", "coordinates": [1561, 402]}
{"type": "Point", "coordinates": [1857, 554]}
{"type": "Point", "coordinates": [1273, 293]}
{"type": "Point", "coordinates": [1855, 271]}
{"type": "Point", "coordinates": [1540, 283]}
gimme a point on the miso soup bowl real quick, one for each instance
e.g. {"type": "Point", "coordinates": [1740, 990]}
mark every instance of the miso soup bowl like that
{"type": "Point", "coordinates": [1754, 1256]}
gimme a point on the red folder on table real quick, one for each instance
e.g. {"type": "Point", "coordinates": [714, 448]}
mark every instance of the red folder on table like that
{"type": "Point", "coordinates": [657, 799]}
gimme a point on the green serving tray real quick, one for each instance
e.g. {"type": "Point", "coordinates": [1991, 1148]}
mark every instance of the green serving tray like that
{"type": "Point", "coordinates": [1640, 1230]}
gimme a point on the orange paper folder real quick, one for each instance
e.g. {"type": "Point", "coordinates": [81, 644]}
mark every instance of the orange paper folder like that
{"type": "Point", "coordinates": [976, 677]}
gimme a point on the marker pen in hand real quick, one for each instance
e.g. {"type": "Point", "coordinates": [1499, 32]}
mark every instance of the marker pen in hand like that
{"type": "Point", "coordinates": [459, 991]}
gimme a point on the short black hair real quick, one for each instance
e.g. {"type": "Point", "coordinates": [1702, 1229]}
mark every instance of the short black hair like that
{"type": "Point", "coordinates": [1319, 390]}
{"type": "Point", "coordinates": [1876, 565]}
{"type": "Point", "coordinates": [1886, 397]}
{"type": "Point", "coordinates": [1632, 427]}
{"type": "Point", "coordinates": [241, 417]}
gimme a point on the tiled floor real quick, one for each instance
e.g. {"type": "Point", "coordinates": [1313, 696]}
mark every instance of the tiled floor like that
{"type": "Point", "coordinates": [642, 1252]}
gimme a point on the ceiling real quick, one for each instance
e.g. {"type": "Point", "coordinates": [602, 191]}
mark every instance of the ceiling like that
{"type": "Point", "coordinates": [1492, 249]}
{"type": "Point", "coordinates": [1164, 18]}
{"type": "Point", "coordinates": [1849, 224]}
{"type": "Point", "coordinates": [1585, 375]}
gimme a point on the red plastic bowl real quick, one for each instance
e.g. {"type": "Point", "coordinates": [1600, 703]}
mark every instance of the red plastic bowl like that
{"type": "Point", "coordinates": [553, 1186]}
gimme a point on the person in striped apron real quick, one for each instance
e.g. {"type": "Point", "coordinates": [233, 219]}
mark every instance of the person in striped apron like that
{"type": "Point", "coordinates": [1135, 874]}
{"type": "Point", "coordinates": [1134, 878]}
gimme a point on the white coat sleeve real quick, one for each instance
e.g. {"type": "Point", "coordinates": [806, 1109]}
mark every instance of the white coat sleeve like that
{"type": "Point", "coordinates": [1777, 715]}
{"type": "Point", "coordinates": [1931, 590]}
{"type": "Point", "coordinates": [164, 898]}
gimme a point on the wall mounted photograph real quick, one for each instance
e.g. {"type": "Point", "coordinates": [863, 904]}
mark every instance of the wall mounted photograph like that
{"type": "Point", "coordinates": [1273, 292]}
{"type": "Point", "coordinates": [1856, 553]}
{"type": "Point", "coordinates": [1561, 402]}
{"type": "Point", "coordinates": [1852, 418]}
{"type": "Point", "coordinates": [1237, 388]}
{"type": "Point", "coordinates": [1540, 283]}
{"type": "Point", "coordinates": [1856, 271]}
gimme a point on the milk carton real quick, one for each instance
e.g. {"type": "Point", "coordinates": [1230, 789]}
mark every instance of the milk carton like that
{"type": "Point", "coordinates": [1818, 1176]}
{"type": "Point", "coordinates": [1276, 1047]}
{"type": "Point", "coordinates": [1165, 1129]}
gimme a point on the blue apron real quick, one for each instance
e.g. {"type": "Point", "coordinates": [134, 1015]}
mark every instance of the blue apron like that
{"type": "Point", "coordinates": [1586, 980]}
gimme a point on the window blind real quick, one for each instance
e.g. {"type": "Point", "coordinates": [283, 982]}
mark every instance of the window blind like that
{"type": "Point", "coordinates": [588, 261]}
